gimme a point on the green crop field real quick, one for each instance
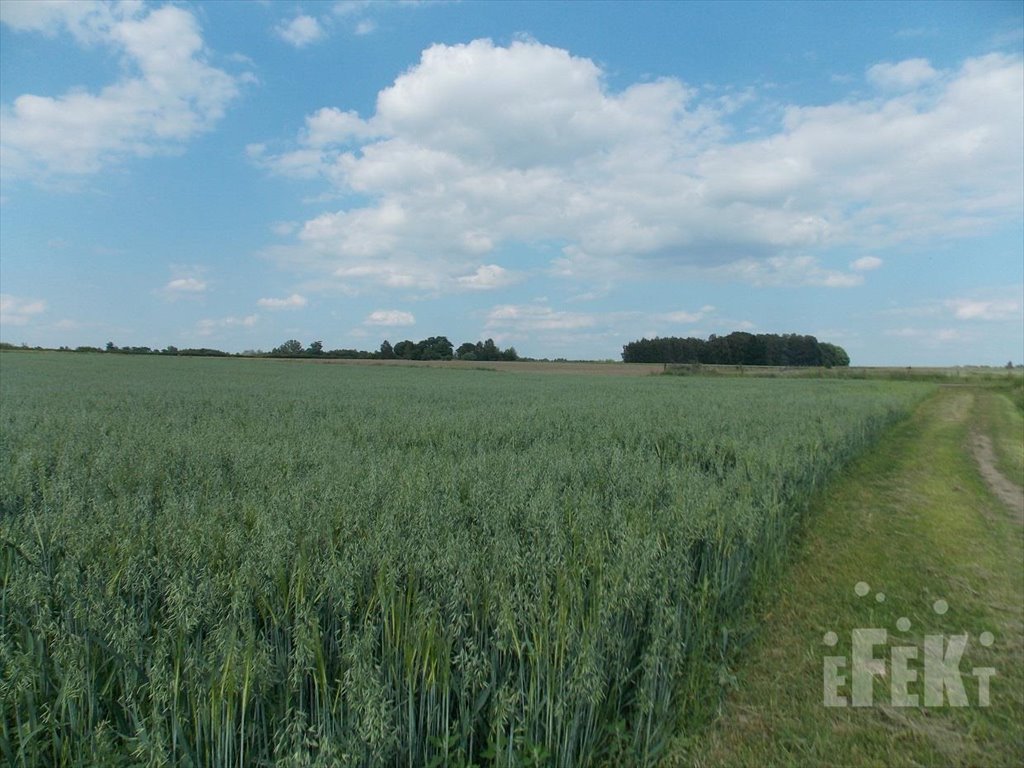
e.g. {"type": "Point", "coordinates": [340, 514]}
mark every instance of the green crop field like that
{"type": "Point", "coordinates": [220, 562]}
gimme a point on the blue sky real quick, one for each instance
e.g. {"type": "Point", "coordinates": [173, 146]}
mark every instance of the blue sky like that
{"type": "Point", "coordinates": [561, 177]}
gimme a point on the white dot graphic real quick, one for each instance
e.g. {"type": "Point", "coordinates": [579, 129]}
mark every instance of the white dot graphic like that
{"type": "Point", "coordinates": [940, 606]}
{"type": "Point", "coordinates": [861, 588]}
{"type": "Point", "coordinates": [830, 638]}
{"type": "Point", "coordinates": [880, 597]}
{"type": "Point", "coordinates": [986, 639]}
{"type": "Point", "coordinates": [902, 623]}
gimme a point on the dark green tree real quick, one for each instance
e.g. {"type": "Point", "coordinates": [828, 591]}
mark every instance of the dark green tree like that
{"type": "Point", "coordinates": [434, 348]}
{"type": "Point", "coordinates": [466, 351]}
{"type": "Point", "coordinates": [833, 356]}
{"type": "Point", "coordinates": [291, 348]}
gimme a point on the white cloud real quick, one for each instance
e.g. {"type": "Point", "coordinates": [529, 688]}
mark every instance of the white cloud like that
{"type": "Point", "coordinates": [865, 264]}
{"type": "Point", "coordinates": [87, 20]}
{"type": "Point", "coordinates": [526, 318]}
{"type": "Point", "coordinates": [993, 304]}
{"type": "Point", "coordinates": [902, 75]}
{"type": "Point", "coordinates": [390, 317]}
{"type": "Point", "coordinates": [365, 26]}
{"type": "Point", "coordinates": [167, 95]}
{"type": "Point", "coordinates": [487, 278]}
{"type": "Point", "coordinates": [17, 310]}
{"type": "Point", "coordinates": [932, 337]}
{"type": "Point", "coordinates": [687, 317]}
{"type": "Point", "coordinates": [186, 285]}
{"type": "Point", "coordinates": [300, 31]}
{"type": "Point", "coordinates": [481, 146]}
{"type": "Point", "coordinates": [329, 126]}
{"type": "Point", "coordinates": [350, 7]}
{"type": "Point", "coordinates": [294, 301]}
{"type": "Point", "coordinates": [786, 271]}
{"type": "Point", "coordinates": [283, 228]}
{"type": "Point", "coordinates": [210, 326]}
{"type": "Point", "coordinates": [978, 309]}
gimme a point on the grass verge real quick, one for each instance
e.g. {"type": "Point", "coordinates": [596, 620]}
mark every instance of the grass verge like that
{"type": "Point", "coordinates": [1003, 420]}
{"type": "Point", "coordinates": [915, 523]}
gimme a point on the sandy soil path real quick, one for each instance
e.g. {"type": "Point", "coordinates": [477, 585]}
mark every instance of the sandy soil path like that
{"type": "Point", "coordinates": [1007, 491]}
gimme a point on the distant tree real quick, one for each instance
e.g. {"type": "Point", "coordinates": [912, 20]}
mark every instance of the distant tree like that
{"type": "Point", "coordinates": [202, 352]}
{"type": "Point", "coordinates": [833, 356]}
{"type": "Point", "coordinates": [315, 349]}
{"type": "Point", "coordinates": [111, 347]}
{"type": "Point", "coordinates": [349, 354]}
{"type": "Point", "coordinates": [485, 350]}
{"type": "Point", "coordinates": [387, 352]}
{"type": "Point", "coordinates": [434, 348]}
{"type": "Point", "coordinates": [405, 349]}
{"type": "Point", "coordinates": [291, 348]}
{"type": "Point", "coordinates": [489, 351]}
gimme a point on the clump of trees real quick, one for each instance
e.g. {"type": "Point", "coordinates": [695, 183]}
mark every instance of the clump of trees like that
{"type": "Point", "coordinates": [169, 350]}
{"type": "Point", "coordinates": [738, 348]}
{"type": "Point", "coordinates": [485, 350]}
{"type": "Point", "coordinates": [431, 348]}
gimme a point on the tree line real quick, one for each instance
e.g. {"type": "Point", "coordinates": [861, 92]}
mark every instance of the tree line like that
{"type": "Point", "coordinates": [432, 348]}
{"type": "Point", "coordinates": [738, 348]}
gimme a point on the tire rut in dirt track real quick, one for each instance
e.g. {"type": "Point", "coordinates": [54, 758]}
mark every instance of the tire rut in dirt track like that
{"type": "Point", "coordinates": [1007, 491]}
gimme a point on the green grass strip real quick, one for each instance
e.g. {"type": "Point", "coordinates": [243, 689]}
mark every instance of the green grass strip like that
{"type": "Point", "coordinates": [915, 522]}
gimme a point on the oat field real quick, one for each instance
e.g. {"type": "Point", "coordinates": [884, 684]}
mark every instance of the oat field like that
{"type": "Point", "coordinates": [246, 563]}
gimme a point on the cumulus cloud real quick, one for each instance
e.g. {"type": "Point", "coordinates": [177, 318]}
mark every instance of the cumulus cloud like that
{"type": "Point", "coordinates": [87, 20]}
{"type": "Point", "coordinates": [526, 318]}
{"type": "Point", "coordinates": [980, 309]}
{"type": "Point", "coordinates": [390, 317]}
{"type": "Point", "coordinates": [18, 310]}
{"type": "Point", "coordinates": [480, 146]}
{"type": "Point", "coordinates": [902, 75]}
{"type": "Point", "coordinates": [294, 301]}
{"type": "Point", "coordinates": [167, 94]}
{"type": "Point", "coordinates": [487, 278]}
{"type": "Point", "coordinates": [931, 337]}
{"type": "Point", "coordinates": [329, 126]}
{"type": "Point", "coordinates": [186, 285]}
{"type": "Point", "coordinates": [210, 326]}
{"type": "Point", "coordinates": [787, 271]}
{"type": "Point", "coordinates": [865, 264]}
{"type": "Point", "coordinates": [283, 228]}
{"type": "Point", "coordinates": [1002, 304]}
{"type": "Point", "coordinates": [301, 31]}
{"type": "Point", "coordinates": [350, 7]}
{"type": "Point", "coordinates": [681, 316]}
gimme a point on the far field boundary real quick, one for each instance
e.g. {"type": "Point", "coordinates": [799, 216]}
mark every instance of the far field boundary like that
{"type": "Point", "coordinates": [614, 368]}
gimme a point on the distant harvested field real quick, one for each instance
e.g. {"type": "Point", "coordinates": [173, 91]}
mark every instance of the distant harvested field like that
{"type": "Point", "coordinates": [933, 373]}
{"type": "Point", "coordinates": [612, 368]}
{"type": "Point", "coordinates": [521, 366]}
